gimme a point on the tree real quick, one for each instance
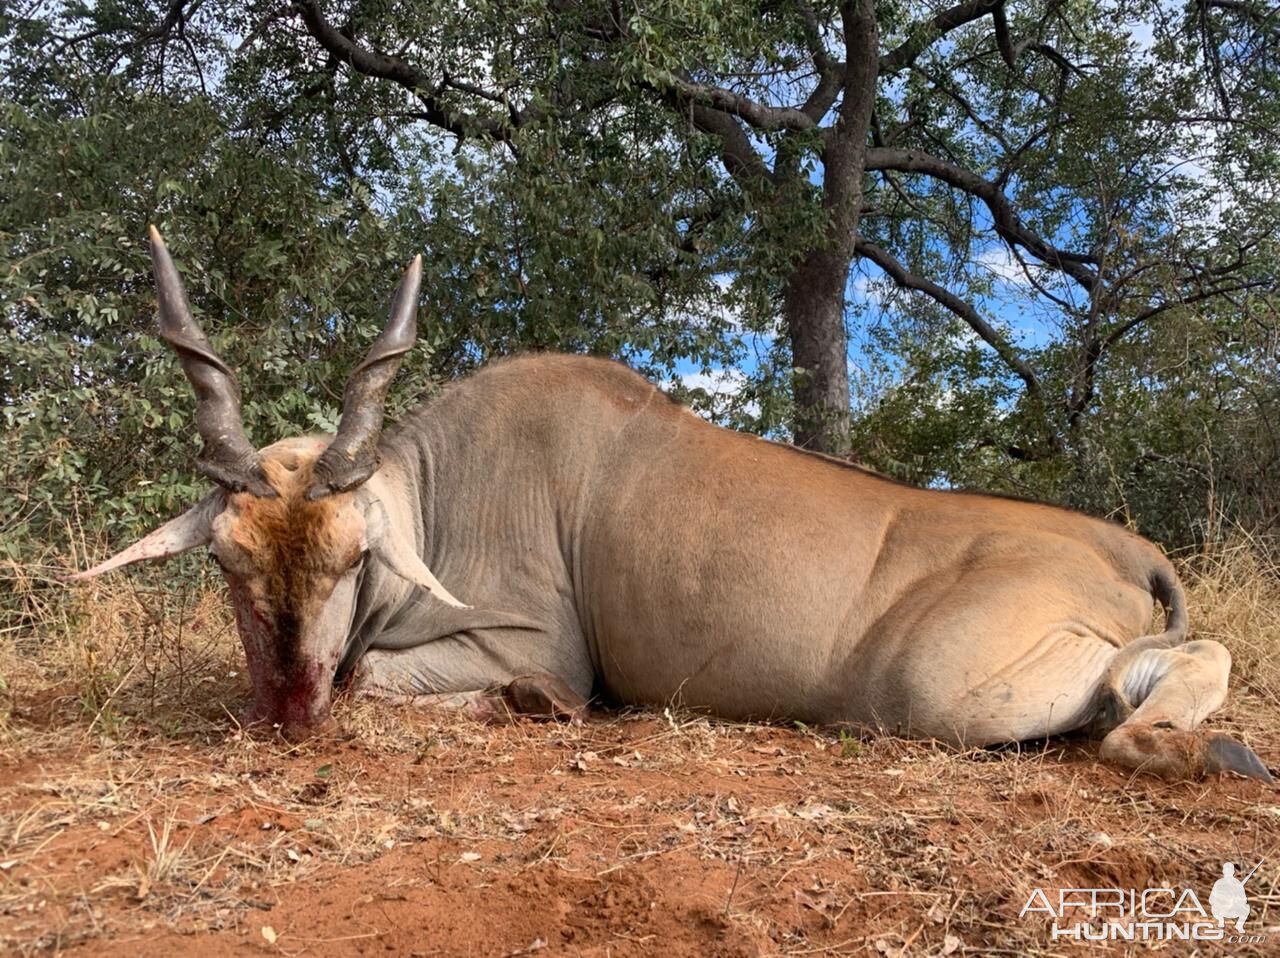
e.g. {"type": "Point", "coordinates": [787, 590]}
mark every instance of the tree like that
{"type": "Point", "coordinates": [1020, 209]}
{"type": "Point", "coordinates": [110, 123]}
{"type": "Point", "coordinates": [84, 380]}
{"type": "Point", "coordinates": [889, 133]}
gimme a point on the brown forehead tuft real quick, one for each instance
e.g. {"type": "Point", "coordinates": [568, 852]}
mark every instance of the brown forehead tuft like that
{"type": "Point", "coordinates": [291, 530]}
{"type": "Point", "coordinates": [289, 471]}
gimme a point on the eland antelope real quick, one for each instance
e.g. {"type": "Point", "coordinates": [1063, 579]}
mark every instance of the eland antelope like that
{"type": "Point", "coordinates": [555, 527]}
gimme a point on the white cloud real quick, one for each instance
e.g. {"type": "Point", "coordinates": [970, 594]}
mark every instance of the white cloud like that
{"type": "Point", "coordinates": [864, 288]}
{"type": "Point", "coordinates": [717, 382]}
{"type": "Point", "coordinates": [1142, 35]}
{"type": "Point", "coordinates": [1000, 262]}
{"type": "Point", "coordinates": [722, 387]}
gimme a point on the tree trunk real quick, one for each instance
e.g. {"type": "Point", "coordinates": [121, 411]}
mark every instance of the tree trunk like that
{"type": "Point", "coordinates": [813, 308]}
{"type": "Point", "coordinates": [814, 299]}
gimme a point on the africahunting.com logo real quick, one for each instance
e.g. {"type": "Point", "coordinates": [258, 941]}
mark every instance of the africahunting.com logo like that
{"type": "Point", "coordinates": [1148, 914]}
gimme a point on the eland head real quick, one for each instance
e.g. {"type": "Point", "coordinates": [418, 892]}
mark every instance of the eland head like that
{"type": "Point", "coordinates": [293, 525]}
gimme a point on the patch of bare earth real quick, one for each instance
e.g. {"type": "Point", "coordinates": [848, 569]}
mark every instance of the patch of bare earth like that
{"type": "Point", "coordinates": [135, 818]}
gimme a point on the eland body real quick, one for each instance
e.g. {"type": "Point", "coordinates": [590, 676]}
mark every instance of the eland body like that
{"type": "Point", "coordinates": [555, 527]}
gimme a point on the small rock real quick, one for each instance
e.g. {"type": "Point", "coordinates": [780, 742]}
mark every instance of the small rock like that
{"type": "Point", "coordinates": [1100, 840]}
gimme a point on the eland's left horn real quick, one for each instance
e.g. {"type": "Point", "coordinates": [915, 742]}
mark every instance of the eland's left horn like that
{"type": "Point", "coordinates": [352, 457]}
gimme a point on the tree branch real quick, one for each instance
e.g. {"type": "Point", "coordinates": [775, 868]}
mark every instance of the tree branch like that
{"type": "Point", "coordinates": [830, 71]}
{"type": "Point", "coordinates": [1007, 223]}
{"type": "Point", "coordinates": [1050, 53]}
{"type": "Point", "coordinates": [740, 158]}
{"type": "Point", "coordinates": [1259, 13]}
{"type": "Point", "coordinates": [384, 66]}
{"type": "Point", "coordinates": [949, 91]}
{"type": "Point", "coordinates": [1133, 323]}
{"type": "Point", "coordinates": [1009, 163]}
{"type": "Point", "coordinates": [950, 301]}
{"type": "Point", "coordinates": [1004, 43]}
{"type": "Point", "coordinates": [925, 33]}
{"type": "Point", "coordinates": [759, 115]}
{"type": "Point", "coordinates": [172, 17]}
{"type": "Point", "coordinates": [1038, 286]}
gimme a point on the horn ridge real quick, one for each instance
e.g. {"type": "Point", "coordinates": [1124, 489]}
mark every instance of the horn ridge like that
{"type": "Point", "coordinates": [352, 457]}
{"type": "Point", "coordinates": [227, 456]}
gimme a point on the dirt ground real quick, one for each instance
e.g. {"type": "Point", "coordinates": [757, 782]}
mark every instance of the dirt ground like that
{"type": "Point", "coordinates": [137, 819]}
{"type": "Point", "coordinates": [632, 834]}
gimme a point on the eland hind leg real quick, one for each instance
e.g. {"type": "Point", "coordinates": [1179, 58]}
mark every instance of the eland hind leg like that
{"type": "Point", "coordinates": [1153, 700]}
{"type": "Point", "coordinates": [1048, 690]}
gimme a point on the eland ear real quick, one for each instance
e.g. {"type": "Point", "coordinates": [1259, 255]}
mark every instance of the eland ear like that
{"type": "Point", "coordinates": [401, 558]}
{"type": "Point", "coordinates": [188, 531]}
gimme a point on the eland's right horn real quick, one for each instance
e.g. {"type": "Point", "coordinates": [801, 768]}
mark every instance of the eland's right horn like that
{"type": "Point", "coordinates": [228, 458]}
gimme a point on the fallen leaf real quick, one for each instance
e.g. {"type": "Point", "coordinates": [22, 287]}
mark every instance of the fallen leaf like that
{"type": "Point", "coordinates": [820, 902]}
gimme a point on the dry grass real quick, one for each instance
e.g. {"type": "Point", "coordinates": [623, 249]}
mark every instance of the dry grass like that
{"type": "Point", "coordinates": [132, 808]}
{"type": "Point", "coordinates": [1234, 591]}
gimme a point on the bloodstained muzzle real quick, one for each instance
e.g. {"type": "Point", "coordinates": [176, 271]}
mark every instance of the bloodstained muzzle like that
{"type": "Point", "coordinates": [292, 677]}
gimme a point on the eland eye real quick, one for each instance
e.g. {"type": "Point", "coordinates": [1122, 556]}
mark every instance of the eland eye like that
{"type": "Point", "coordinates": [217, 560]}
